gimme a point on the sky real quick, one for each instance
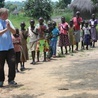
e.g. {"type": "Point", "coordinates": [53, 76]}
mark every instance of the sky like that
{"type": "Point", "coordinates": [25, 0]}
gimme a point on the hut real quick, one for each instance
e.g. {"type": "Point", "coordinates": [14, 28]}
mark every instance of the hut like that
{"type": "Point", "coordinates": [86, 8]}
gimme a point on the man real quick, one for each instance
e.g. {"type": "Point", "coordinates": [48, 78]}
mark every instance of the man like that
{"type": "Point", "coordinates": [76, 22]}
{"type": "Point", "coordinates": [6, 48]}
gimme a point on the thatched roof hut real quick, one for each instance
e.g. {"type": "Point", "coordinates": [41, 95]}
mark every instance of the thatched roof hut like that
{"type": "Point", "coordinates": [86, 8]}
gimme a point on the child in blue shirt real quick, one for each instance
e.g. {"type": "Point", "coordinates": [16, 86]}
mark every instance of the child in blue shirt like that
{"type": "Point", "coordinates": [53, 43]}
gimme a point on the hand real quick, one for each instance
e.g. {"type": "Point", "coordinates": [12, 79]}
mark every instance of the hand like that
{"type": "Point", "coordinates": [8, 25]}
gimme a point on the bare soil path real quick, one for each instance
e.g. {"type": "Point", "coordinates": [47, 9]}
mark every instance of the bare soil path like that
{"type": "Point", "coordinates": [72, 76]}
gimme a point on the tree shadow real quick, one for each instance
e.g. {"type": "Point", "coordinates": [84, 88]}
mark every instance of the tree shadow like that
{"type": "Point", "coordinates": [27, 96]}
{"type": "Point", "coordinates": [82, 95]}
{"type": "Point", "coordinates": [81, 75]}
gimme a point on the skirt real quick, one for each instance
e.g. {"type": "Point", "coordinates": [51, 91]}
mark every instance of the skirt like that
{"type": "Point", "coordinates": [63, 40]}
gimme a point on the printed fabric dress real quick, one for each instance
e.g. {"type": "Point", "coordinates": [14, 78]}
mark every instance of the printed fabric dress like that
{"type": "Point", "coordinates": [63, 38]}
{"type": "Point", "coordinates": [24, 49]}
{"type": "Point", "coordinates": [71, 36]}
{"type": "Point", "coordinates": [42, 43]}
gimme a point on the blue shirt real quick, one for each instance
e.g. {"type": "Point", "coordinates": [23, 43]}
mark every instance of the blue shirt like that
{"type": "Point", "coordinates": [5, 39]}
{"type": "Point", "coordinates": [55, 33]}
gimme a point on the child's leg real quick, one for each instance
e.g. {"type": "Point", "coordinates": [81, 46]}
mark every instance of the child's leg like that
{"type": "Point", "coordinates": [76, 45]}
{"type": "Point", "coordinates": [44, 56]}
{"type": "Point", "coordinates": [33, 57]}
{"type": "Point", "coordinates": [38, 52]}
{"type": "Point", "coordinates": [66, 50]}
{"type": "Point", "coordinates": [62, 50]}
{"type": "Point", "coordinates": [72, 47]}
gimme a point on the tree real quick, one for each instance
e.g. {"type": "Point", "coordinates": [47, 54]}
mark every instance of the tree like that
{"type": "Point", "coordinates": [63, 3]}
{"type": "Point", "coordinates": [2, 3]}
{"type": "Point", "coordinates": [38, 8]}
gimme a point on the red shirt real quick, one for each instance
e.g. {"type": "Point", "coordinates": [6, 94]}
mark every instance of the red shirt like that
{"type": "Point", "coordinates": [76, 22]}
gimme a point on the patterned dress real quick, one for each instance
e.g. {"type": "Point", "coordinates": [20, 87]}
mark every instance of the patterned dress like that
{"type": "Point", "coordinates": [93, 24]}
{"type": "Point", "coordinates": [63, 38]}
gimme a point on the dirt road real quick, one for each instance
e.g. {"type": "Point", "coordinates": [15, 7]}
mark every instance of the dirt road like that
{"type": "Point", "coordinates": [72, 76]}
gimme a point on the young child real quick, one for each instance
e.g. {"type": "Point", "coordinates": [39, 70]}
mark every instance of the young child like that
{"type": "Point", "coordinates": [24, 35]}
{"type": "Point", "coordinates": [63, 38]}
{"type": "Point", "coordinates": [71, 35]}
{"type": "Point", "coordinates": [86, 30]}
{"type": "Point", "coordinates": [49, 37]}
{"type": "Point", "coordinates": [53, 43]}
{"type": "Point", "coordinates": [42, 44]}
{"type": "Point", "coordinates": [33, 36]}
{"type": "Point", "coordinates": [82, 34]}
{"type": "Point", "coordinates": [16, 42]}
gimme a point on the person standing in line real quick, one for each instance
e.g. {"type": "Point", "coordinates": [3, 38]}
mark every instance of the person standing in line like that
{"type": "Point", "coordinates": [87, 36]}
{"type": "Point", "coordinates": [42, 44]}
{"type": "Point", "coordinates": [6, 48]}
{"type": "Point", "coordinates": [71, 35]}
{"type": "Point", "coordinates": [24, 54]}
{"type": "Point", "coordinates": [17, 42]}
{"type": "Point", "coordinates": [33, 36]}
{"type": "Point", "coordinates": [93, 24]}
{"type": "Point", "coordinates": [53, 43]}
{"type": "Point", "coordinates": [63, 38]}
{"type": "Point", "coordinates": [77, 21]}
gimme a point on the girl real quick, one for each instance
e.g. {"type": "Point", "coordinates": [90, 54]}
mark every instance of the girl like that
{"type": "Point", "coordinates": [71, 35]}
{"type": "Point", "coordinates": [86, 30]}
{"type": "Point", "coordinates": [17, 42]}
{"type": "Point", "coordinates": [63, 39]}
{"type": "Point", "coordinates": [24, 49]}
{"type": "Point", "coordinates": [42, 44]}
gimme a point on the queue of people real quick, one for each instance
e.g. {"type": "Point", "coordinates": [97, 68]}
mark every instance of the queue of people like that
{"type": "Point", "coordinates": [43, 39]}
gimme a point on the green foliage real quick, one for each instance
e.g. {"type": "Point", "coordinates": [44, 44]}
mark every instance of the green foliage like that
{"type": "Point", "coordinates": [2, 3]}
{"type": "Point", "coordinates": [16, 20]}
{"type": "Point", "coordinates": [38, 8]}
{"type": "Point", "coordinates": [63, 3]}
{"type": "Point", "coordinates": [11, 6]}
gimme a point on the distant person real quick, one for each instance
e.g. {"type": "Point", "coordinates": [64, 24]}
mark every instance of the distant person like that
{"type": "Point", "coordinates": [71, 35]}
{"type": "Point", "coordinates": [87, 32]}
{"type": "Point", "coordinates": [63, 38]}
{"type": "Point", "coordinates": [6, 48]}
{"type": "Point", "coordinates": [24, 36]}
{"type": "Point", "coordinates": [93, 24]}
{"type": "Point", "coordinates": [77, 21]}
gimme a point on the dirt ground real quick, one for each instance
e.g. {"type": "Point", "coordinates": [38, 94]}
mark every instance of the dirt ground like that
{"type": "Point", "coordinates": [72, 76]}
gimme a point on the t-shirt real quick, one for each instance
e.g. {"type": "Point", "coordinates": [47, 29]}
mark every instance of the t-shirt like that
{"type": "Point", "coordinates": [75, 22]}
{"type": "Point", "coordinates": [55, 33]}
{"type": "Point", "coordinates": [86, 30]}
{"type": "Point", "coordinates": [5, 39]}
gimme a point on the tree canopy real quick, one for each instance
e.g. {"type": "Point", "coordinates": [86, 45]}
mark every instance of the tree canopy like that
{"type": "Point", "coordinates": [2, 3]}
{"type": "Point", "coordinates": [38, 8]}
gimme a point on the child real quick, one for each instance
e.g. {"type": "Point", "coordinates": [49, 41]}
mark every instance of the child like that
{"type": "Point", "coordinates": [42, 44]}
{"type": "Point", "coordinates": [33, 37]}
{"type": "Point", "coordinates": [71, 35]}
{"type": "Point", "coordinates": [16, 42]}
{"type": "Point", "coordinates": [24, 49]}
{"type": "Point", "coordinates": [86, 30]}
{"type": "Point", "coordinates": [82, 34]}
{"type": "Point", "coordinates": [63, 39]}
{"type": "Point", "coordinates": [53, 43]}
{"type": "Point", "coordinates": [49, 37]}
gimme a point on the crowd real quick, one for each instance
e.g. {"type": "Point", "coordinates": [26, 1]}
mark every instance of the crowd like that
{"type": "Point", "coordinates": [43, 38]}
